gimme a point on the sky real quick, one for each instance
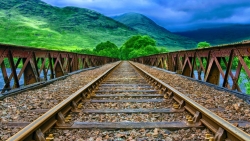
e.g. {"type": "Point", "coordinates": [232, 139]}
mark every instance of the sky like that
{"type": "Point", "coordinates": [174, 15]}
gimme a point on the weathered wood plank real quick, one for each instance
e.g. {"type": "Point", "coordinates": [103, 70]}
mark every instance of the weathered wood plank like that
{"type": "Point", "coordinates": [23, 124]}
{"type": "Point", "coordinates": [130, 125]}
{"type": "Point", "coordinates": [126, 100]}
{"type": "Point", "coordinates": [39, 110]}
{"type": "Point", "coordinates": [105, 84]}
{"type": "Point", "coordinates": [17, 124]}
{"type": "Point", "coordinates": [127, 95]}
{"type": "Point", "coordinates": [108, 111]}
{"type": "Point", "coordinates": [142, 91]}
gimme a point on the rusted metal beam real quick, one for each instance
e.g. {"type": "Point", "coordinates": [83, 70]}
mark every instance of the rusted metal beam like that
{"type": "Point", "coordinates": [58, 66]}
{"type": "Point", "coordinates": [35, 66]}
{"type": "Point", "coordinates": [186, 71]}
{"type": "Point", "coordinates": [51, 66]}
{"type": "Point", "coordinates": [13, 69]}
{"type": "Point", "coordinates": [5, 77]}
{"type": "Point", "coordinates": [29, 75]}
{"type": "Point", "coordinates": [42, 68]}
{"type": "Point", "coordinates": [213, 73]}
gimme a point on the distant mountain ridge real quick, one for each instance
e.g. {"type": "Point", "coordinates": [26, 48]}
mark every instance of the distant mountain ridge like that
{"type": "Point", "coordinates": [219, 35]}
{"type": "Point", "coordinates": [146, 26]}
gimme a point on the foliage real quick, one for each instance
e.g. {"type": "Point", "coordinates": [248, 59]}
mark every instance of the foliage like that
{"type": "Point", "coordinates": [143, 51]}
{"type": "Point", "coordinates": [138, 46]}
{"type": "Point", "coordinates": [84, 51]}
{"type": "Point", "coordinates": [107, 49]}
{"type": "Point", "coordinates": [203, 44]}
{"type": "Point", "coordinates": [244, 79]}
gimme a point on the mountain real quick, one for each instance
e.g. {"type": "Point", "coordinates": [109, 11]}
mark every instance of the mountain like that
{"type": "Point", "coordinates": [146, 26]}
{"type": "Point", "coordinates": [219, 35]}
{"type": "Point", "coordinates": [38, 24]}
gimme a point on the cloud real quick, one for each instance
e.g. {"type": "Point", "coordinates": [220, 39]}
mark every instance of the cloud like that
{"type": "Point", "coordinates": [172, 14]}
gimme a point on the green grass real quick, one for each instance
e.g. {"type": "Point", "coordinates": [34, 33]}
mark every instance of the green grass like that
{"type": "Point", "coordinates": [25, 31]}
{"type": "Point", "coordinates": [37, 24]}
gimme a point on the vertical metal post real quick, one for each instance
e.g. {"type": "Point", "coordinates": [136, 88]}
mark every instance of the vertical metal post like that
{"type": "Point", "coordinates": [35, 69]}
{"type": "Point", "coordinates": [214, 73]}
{"type": "Point", "coordinates": [187, 70]}
{"type": "Point", "coordinates": [229, 66]}
{"type": "Point", "coordinates": [13, 69]}
{"type": "Point", "coordinates": [170, 65]}
{"type": "Point", "coordinates": [51, 67]}
{"type": "Point", "coordinates": [193, 65]}
{"type": "Point", "coordinates": [76, 62]}
{"type": "Point", "coordinates": [45, 72]}
{"type": "Point", "coordinates": [57, 67]}
{"type": "Point", "coordinates": [5, 77]}
{"type": "Point", "coordinates": [237, 75]}
{"type": "Point", "coordinates": [29, 75]}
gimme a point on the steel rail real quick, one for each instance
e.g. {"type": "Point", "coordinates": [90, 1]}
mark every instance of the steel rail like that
{"type": "Point", "coordinates": [222, 129]}
{"type": "Point", "coordinates": [35, 130]}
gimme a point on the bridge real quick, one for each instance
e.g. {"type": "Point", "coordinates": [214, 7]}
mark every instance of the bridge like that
{"type": "Point", "coordinates": [144, 94]}
{"type": "Point", "coordinates": [38, 65]}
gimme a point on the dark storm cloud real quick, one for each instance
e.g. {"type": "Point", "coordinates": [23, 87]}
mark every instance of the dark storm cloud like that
{"type": "Point", "coordinates": [172, 14]}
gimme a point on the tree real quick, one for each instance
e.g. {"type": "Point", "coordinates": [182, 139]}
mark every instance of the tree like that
{"type": "Point", "coordinates": [244, 79]}
{"type": "Point", "coordinates": [148, 50]}
{"type": "Point", "coordinates": [108, 49]}
{"type": "Point", "coordinates": [203, 44]}
{"type": "Point", "coordinates": [84, 51]}
{"type": "Point", "coordinates": [138, 46]}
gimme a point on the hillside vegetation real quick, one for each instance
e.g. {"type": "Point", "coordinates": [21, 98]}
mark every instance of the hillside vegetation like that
{"type": "Point", "coordinates": [35, 23]}
{"type": "Point", "coordinates": [163, 37]}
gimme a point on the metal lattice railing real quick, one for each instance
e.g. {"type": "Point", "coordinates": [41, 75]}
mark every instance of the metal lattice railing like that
{"type": "Point", "coordinates": [225, 65]}
{"type": "Point", "coordinates": [24, 65]}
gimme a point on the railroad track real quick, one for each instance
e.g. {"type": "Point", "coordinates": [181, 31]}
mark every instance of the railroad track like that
{"type": "Point", "coordinates": [128, 103]}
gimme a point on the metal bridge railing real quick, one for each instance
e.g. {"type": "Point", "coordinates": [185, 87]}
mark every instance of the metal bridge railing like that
{"type": "Point", "coordinates": [25, 65]}
{"type": "Point", "coordinates": [221, 65]}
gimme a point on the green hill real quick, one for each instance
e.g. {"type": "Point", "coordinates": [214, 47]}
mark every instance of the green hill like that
{"type": "Point", "coordinates": [35, 23]}
{"type": "Point", "coordinates": [219, 35]}
{"type": "Point", "coordinates": [146, 26]}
